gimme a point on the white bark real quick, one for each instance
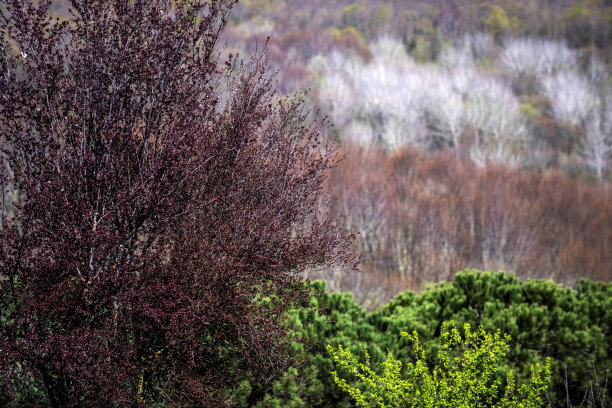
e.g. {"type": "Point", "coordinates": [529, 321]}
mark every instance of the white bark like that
{"type": "Point", "coordinates": [573, 99]}
{"type": "Point", "coordinates": [597, 146]}
{"type": "Point", "coordinates": [495, 114]}
{"type": "Point", "coordinates": [536, 56]}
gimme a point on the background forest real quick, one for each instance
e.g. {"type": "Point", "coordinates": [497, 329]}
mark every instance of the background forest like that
{"type": "Point", "coordinates": [476, 133]}
{"type": "Point", "coordinates": [476, 136]}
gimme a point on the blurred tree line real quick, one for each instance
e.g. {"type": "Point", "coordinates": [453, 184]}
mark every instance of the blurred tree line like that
{"type": "Point", "coordinates": [420, 217]}
{"type": "Point", "coordinates": [423, 25]}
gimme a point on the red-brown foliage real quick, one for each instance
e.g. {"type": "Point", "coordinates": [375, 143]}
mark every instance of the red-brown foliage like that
{"type": "Point", "coordinates": [422, 217]}
{"type": "Point", "coordinates": [160, 195]}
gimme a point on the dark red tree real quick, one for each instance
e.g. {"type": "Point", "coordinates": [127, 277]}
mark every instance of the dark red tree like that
{"type": "Point", "coordinates": [162, 206]}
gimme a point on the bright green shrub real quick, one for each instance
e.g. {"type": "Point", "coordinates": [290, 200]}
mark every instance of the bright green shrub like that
{"type": "Point", "coordinates": [464, 376]}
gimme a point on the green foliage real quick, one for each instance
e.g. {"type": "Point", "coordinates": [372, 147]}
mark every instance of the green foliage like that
{"type": "Point", "coordinates": [27, 391]}
{"type": "Point", "coordinates": [464, 376]}
{"type": "Point", "coordinates": [382, 17]}
{"type": "Point", "coordinates": [573, 326]}
{"type": "Point", "coordinates": [354, 15]}
{"type": "Point", "coordinates": [330, 318]}
{"type": "Point", "coordinates": [530, 112]}
{"type": "Point", "coordinates": [581, 20]}
{"type": "Point", "coordinates": [350, 39]}
{"type": "Point", "coordinates": [498, 22]}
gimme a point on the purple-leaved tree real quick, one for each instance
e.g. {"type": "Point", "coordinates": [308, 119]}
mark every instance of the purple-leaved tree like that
{"type": "Point", "coordinates": [163, 204]}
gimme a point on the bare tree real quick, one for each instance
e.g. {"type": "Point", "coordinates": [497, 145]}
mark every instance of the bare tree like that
{"type": "Point", "coordinates": [528, 61]}
{"type": "Point", "coordinates": [597, 144]}
{"type": "Point", "coordinates": [573, 99]}
{"type": "Point", "coordinates": [391, 99]}
{"type": "Point", "coordinates": [447, 108]}
{"type": "Point", "coordinates": [500, 130]}
{"type": "Point", "coordinates": [336, 93]}
{"type": "Point", "coordinates": [460, 57]}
